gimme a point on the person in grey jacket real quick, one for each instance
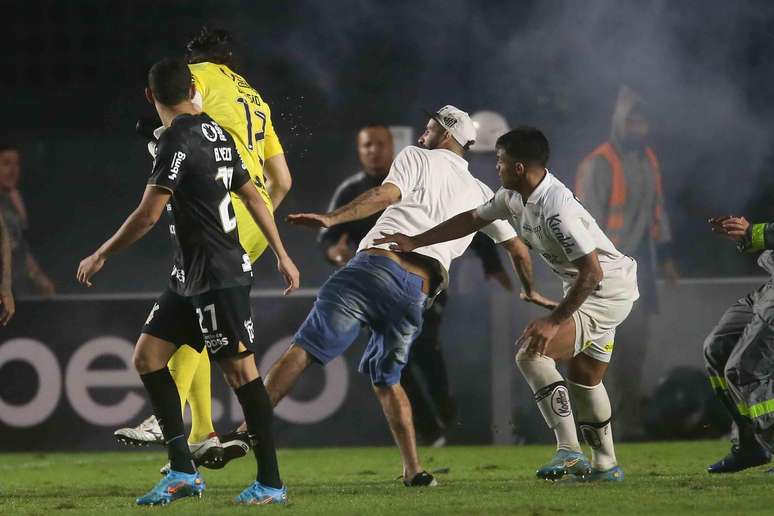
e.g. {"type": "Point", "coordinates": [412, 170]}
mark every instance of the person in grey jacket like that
{"type": "Point", "coordinates": [738, 354]}
{"type": "Point", "coordinates": [619, 183]}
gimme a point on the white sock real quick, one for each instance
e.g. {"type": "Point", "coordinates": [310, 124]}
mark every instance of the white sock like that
{"type": "Point", "coordinates": [551, 396]}
{"type": "Point", "coordinates": [593, 408]}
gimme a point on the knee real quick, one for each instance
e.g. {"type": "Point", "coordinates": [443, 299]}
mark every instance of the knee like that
{"type": "Point", "coordinates": [236, 378]}
{"type": "Point", "coordinates": [239, 372]}
{"type": "Point", "coordinates": [381, 390]}
{"type": "Point", "coordinates": [525, 360]}
{"type": "Point", "coordinates": [386, 392]}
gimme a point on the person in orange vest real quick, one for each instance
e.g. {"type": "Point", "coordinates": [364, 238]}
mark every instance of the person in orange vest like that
{"type": "Point", "coordinates": [620, 184]}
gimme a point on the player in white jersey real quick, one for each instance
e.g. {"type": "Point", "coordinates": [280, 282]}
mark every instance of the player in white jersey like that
{"type": "Point", "coordinates": [600, 287]}
{"type": "Point", "coordinates": [388, 291]}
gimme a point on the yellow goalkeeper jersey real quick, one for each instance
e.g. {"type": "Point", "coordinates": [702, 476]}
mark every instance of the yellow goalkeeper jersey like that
{"type": "Point", "coordinates": [236, 106]}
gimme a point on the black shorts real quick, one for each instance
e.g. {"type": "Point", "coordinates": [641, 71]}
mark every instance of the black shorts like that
{"type": "Point", "coordinates": [218, 319]}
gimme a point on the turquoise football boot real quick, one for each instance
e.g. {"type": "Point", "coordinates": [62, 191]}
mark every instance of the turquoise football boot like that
{"type": "Point", "coordinates": [565, 462]}
{"type": "Point", "coordinates": [614, 474]}
{"type": "Point", "coordinates": [173, 486]}
{"type": "Point", "coordinates": [259, 494]}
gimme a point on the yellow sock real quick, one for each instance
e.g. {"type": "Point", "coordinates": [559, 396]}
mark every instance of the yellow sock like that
{"type": "Point", "coordinates": [200, 399]}
{"type": "Point", "coordinates": [182, 367]}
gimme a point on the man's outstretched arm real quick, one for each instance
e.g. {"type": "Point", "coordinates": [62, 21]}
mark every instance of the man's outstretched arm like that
{"type": "Point", "coordinates": [456, 227]}
{"type": "Point", "coordinates": [750, 238]}
{"type": "Point", "coordinates": [364, 205]}
{"type": "Point", "coordinates": [136, 225]}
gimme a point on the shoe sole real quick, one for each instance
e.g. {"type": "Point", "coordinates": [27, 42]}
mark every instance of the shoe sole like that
{"type": "Point", "coordinates": [558, 474]}
{"type": "Point", "coordinates": [130, 441]}
{"type": "Point", "coordinates": [232, 450]}
{"type": "Point", "coordinates": [211, 459]}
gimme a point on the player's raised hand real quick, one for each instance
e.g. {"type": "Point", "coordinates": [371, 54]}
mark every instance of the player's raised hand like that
{"type": "Point", "coordinates": [9, 306]}
{"type": "Point", "coordinates": [88, 267]}
{"type": "Point", "coordinates": [313, 220]}
{"type": "Point", "coordinates": [538, 299]}
{"type": "Point", "coordinates": [537, 335]}
{"type": "Point", "coordinates": [398, 242]}
{"type": "Point", "coordinates": [290, 272]}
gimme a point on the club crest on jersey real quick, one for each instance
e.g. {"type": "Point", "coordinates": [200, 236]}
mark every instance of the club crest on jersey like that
{"type": "Point", "coordinates": [174, 169]}
{"type": "Point", "coordinates": [178, 274]}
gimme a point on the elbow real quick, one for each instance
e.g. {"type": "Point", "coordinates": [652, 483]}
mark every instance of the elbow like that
{"type": "Point", "coordinates": [285, 184]}
{"type": "Point", "coordinates": [146, 219]}
{"type": "Point", "coordinates": [280, 186]}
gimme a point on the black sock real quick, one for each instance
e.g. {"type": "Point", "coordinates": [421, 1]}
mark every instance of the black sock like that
{"type": "Point", "coordinates": [259, 416]}
{"type": "Point", "coordinates": [166, 407]}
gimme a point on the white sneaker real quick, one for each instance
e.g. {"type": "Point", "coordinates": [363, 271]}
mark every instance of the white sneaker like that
{"type": "Point", "coordinates": [147, 432]}
{"type": "Point", "coordinates": [207, 453]}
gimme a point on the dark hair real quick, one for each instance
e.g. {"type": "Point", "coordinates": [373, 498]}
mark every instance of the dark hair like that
{"type": "Point", "coordinates": [526, 144]}
{"type": "Point", "coordinates": [212, 46]}
{"type": "Point", "coordinates": [170, 81]}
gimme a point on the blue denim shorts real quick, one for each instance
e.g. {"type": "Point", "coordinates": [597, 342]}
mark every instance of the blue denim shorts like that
{"type": "Point", "coordinates": [371, 291]}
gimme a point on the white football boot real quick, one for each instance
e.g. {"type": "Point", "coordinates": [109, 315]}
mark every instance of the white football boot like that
{"type": "Point", "coordinates": [146, 433]}
{"type": "Point", "coordinates": [207, 453]}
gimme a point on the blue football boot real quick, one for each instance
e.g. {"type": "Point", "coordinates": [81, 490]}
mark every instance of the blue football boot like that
{"type": "Point", "coordinates": [740, 458]}
{"type": "Point", "coordinates": [174, 485]}
{"type": "Point", "coordinates": [259, 494]}
{"type": "Point", "coordinates": [614, 474]}
{"type": "Point", "coordinates": [565, 462]}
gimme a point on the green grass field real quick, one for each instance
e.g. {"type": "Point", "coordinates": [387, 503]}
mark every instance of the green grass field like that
{"type": "Point", "coordinates": [663, 478]}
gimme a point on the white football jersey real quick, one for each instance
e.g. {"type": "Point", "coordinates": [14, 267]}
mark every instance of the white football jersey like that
{"type": "Point", "coordinates": [555, 224]}
{"type": "Point", "coordinates": [435, 185]}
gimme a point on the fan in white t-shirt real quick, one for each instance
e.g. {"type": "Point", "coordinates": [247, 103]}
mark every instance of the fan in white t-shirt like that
{"type": "Point", "coordinates": [386, 290]}
{"type": "Point", "coordinates": [600, 287]}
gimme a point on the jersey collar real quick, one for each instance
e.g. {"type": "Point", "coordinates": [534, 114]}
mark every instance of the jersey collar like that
{"type": "Point", "coordinates": [541, 189]}
{"type": "Point", "coordinates": [453, 155]}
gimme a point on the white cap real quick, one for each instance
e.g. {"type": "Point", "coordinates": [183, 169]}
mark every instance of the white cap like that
{"type": "Point", "coordinates": [457, 122]}
{"type": "Point", "coordinates": [490, 126]}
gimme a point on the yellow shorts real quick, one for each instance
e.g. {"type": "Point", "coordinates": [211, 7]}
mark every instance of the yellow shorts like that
{"type": "Point", "coordinates": [250, 235]}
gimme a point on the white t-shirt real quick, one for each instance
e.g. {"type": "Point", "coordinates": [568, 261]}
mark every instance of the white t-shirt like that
{"type": "Point", "coordinates": [435, 185]}
{"type": "Point", "coordinates": [553, 223]}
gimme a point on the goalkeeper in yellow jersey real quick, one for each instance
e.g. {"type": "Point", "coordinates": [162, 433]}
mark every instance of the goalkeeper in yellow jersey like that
{"type": "Point", "coordinates": [237, 107]}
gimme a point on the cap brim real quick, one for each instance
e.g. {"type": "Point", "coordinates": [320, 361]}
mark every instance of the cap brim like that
{"type": "Point", "coordinates": [434, 116]}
